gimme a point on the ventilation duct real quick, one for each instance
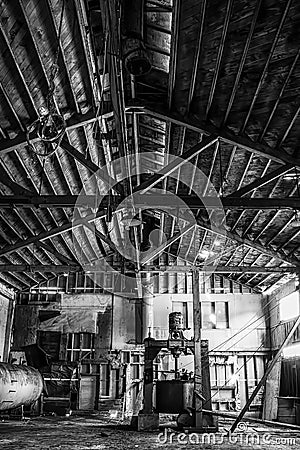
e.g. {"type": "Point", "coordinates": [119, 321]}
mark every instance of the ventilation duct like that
{"type": "Point", "coordinates": [134, 52]}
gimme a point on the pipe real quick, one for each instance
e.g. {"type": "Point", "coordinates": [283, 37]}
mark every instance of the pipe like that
{"type": "Point", "coordinates": [134, 52]}
{"type": "Point", "coordinates": [19, 385]}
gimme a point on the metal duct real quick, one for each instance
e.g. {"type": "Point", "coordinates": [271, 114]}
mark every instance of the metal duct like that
{"type": "Point", "coordinates": [134, 53]}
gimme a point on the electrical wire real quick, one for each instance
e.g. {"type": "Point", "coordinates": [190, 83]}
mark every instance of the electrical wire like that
{"type": "Point", "coordinates": [239, 369]}
{"type": "Point", "coordinates": [248, 324]}
{"type": "Point", "coordinates": [242, 329]}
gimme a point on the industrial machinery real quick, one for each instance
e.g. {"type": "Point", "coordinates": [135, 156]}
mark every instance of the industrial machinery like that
{"type": "Point", "coordinates": [176, 396]}
{"type": "Point", "coordinates": [19, 385]}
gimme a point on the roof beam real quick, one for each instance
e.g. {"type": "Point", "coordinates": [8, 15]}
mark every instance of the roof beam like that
{"type": "Point", "coordinates": [219, 56]}
{"type": "Point", "coordinates": [54, 252]}
{"type": "Point", "coordinates": [262, 181]}
{"type": "Point", "coordinates": [155, 253]}
{"type": "Point", "coordinates": [76, 121]}
{"type": "Point", "coordinates": [49, 234]}
{"type": "Point", "coordinates": [176, 163]}
{"type": "Point", "coordinates": [146, 269]}
{"type": "Point", "coordinates": [225, 135]}
{"type": "Point", "coordinates": [165, 202]}
{"type": "Point", "coordinates": [15, 187]}
{"type": "Point", "coordinates": [72, 151]}
{"type": "Point", "coordinates": [242, 61]}
{"type": "Point", "coordinates": [249, 243]}
{"type": "Point", "coordinates": [266, 66]}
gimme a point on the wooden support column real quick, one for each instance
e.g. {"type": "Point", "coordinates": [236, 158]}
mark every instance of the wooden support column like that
{"type": "Point", "coordinates": [197, 350]}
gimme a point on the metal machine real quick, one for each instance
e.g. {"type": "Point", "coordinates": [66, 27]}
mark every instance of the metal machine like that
{"type": "Point", "coordinates": [19, 385]}
{"type": "Point", "coordinates": [175, 396]}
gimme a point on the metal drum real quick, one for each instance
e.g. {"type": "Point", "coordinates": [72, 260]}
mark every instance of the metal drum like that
{"type": "Point", "coordinates": [174, 396]}
{"type": "Point", "coordinates": [19, 385]}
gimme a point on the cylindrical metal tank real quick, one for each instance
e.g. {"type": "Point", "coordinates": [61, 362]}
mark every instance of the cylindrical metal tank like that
{"type": "Point", "coordinates": [174, 396]}
{"type": "Point", "coordinates": [19, 385]}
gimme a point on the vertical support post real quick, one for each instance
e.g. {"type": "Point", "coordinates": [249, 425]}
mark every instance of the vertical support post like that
{"type": "Point", "coordinates": [148, 334]}
{"type": "Point", "coordinates": [147, 306]}
{"type": "Point", "coordinates": [148, 382]}
{"type": "Point", "coordinates": [197, 350]}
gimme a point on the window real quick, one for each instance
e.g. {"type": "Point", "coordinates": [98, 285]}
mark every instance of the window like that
{"type": "Point", "coordinates": [81, 346]}
{"type": "Point", "coordinates": [289, 306]}
{"type": "Point", "coordinates": [214, 315]}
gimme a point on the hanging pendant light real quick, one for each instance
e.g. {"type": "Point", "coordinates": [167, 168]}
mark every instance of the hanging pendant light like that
{"type": "Point", "coordinates": [45, 134]}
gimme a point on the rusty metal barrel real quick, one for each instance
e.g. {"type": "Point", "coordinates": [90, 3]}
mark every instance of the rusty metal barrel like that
{"type": "Point", "coordinates": [19, 385]}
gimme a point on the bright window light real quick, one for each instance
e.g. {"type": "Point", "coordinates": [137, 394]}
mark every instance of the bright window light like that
{"type": "Point", "coordinates": [289, 306]}
{"type": "Point", "coordinates": [292, 350]}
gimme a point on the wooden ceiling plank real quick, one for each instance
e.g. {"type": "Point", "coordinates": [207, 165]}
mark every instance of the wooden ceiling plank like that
{"type": "Point", "coordinates": [54, 252]}
{"type": "Point", "coordinates": [281, 230]}
{"type": "Point", "coordinates": [72, 151]}
{"type": "Point", "coordinates": [18, 190]}
{"type": "Point", "coordinates": [9, 102]}
{"type": "Point", "coordinates": [62, 53]}
{"type": "Point", "coordinates": [266, 66]}
{"type": "Point", "coordinates": [15, 187]}
{"type": "Point", "coordinates": [19, 71]}
{"type": "Point", "coordinates": [219, 56]}
{"type": "Point", "coordinates": [290, 126]}
{"type": "Point", "coordinates": [62, 209]}
{"type": "Point", "coordinates": [261, 181]}
{"type": "Point", "coordinates": [61, 268]}
{"type": "Point", "coordinates": [286, 81]}
{"type": "Point", "coordinates": [9, 280]}
{"type": "Point", "coordinates": [197, 52]}
{"type": "Point", "coordinates": [48, 234]}
{"type": "Point", "coordinates": [242, 62]}
{"type": "Point", "coordinates": [174, 165]}
{"type": "Point", "coordinates": [293, 237]}
{"type": "Point", "coordinates": [213, 161]}
{"type": "Point", "coordinates": [75, 121]}
{"type": "Point", "coordinates": [225, 135]}
{"type": "Point", "coordinates": [249, 243]}
{"type": "Point", "coordinates": [86, 45]}
{"type": "Point", "coordinates": [174, 49]}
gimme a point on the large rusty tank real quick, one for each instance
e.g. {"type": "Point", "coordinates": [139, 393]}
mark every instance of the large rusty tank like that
{"type": "Point", "coordinates": [19, 385]}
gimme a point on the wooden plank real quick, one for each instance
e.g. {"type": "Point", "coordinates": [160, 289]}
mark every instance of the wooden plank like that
{"type": "Point", "coordinates": [270, 405]}
{"type": "Point", "coordinates": [25, 326]}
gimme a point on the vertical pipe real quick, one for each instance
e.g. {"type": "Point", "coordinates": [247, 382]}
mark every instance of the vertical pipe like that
{"type": "Point", "coordinates": [147, 306]}
{"type": "Point", "coordinates": [197, 349]}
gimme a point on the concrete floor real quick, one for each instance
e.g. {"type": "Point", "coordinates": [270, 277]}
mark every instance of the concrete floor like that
{"type": "Point", "coordinates": [92, 433]}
